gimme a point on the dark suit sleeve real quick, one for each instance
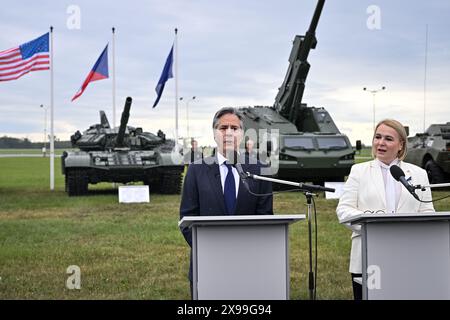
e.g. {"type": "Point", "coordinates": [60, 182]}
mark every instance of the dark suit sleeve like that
{"type": "Point", "coordinates": [264, 204]}
{"type": "Point", "coordinates": [189, 201]}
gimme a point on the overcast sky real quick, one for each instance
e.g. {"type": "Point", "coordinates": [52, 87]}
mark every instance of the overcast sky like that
{"type": "Point", "coordinates": [230, 53]}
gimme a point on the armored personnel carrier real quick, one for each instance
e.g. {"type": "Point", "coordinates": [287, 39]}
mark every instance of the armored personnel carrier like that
{"type": "Point", "coordinates": [124, 154]}
{"type": "Point", "coordinates": [431, 151]}
{"type": "Point", "coordinates": [303, 142]}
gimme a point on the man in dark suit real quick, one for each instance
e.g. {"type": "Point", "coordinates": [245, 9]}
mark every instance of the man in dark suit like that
{"type": "Point", "coordinates": [213, 187]}
{"type": "Point", "coordinates": [193, 154]}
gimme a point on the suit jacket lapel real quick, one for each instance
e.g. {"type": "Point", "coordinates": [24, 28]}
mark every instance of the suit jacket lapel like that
{"type": "Point", "coordinates": [377, 178]}
{"type": "Point", "coordinates": [214, 179]}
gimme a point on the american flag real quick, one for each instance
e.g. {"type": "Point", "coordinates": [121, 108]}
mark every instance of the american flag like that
{"type": "Point", "coordinates": [30, 56]}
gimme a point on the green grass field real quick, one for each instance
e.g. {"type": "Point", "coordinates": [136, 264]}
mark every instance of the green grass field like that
{"type": "Point", "coordinates": [131, 251]}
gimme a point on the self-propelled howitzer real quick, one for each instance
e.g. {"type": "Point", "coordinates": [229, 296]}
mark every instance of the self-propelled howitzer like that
{"type": "Point", "coordinates": [123, 154]}
{"type": "Point", "coordinates": [305, 143]}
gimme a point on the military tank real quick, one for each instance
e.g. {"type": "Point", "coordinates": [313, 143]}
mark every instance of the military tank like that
{"type": "Point", "coordinates": [123, 154]}
{"type": "Point", "coordinates": [431, 151]}
{"type": "Point", "coordinates": [303, 142]}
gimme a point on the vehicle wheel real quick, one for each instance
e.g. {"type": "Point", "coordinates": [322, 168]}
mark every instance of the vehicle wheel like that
{"type": "Point", "coordinates": [435, 173]}
{"type": "Point", "coordinates": [76, 182]}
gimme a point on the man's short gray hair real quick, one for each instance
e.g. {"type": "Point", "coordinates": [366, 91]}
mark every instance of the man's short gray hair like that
{"type": "Point", "coordinates": [224, 111]}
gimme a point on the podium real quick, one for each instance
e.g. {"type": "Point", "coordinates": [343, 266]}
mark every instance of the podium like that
{"type": "Point", "coordinates": [405, 256]}
{"type": "Point", "coordinates": [240, 257]}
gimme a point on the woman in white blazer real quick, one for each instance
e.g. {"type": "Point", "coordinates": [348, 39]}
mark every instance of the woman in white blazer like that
{"type": "Point", "coordinates": [371, 188]}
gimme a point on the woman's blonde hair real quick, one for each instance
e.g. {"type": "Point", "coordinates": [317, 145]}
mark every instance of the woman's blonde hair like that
{"type": "Point", "coordinates": [400, 129]}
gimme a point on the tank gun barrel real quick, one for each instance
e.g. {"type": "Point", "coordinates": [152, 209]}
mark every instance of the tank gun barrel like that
{"type": "Point", "coordinates": [289, 98]}
{"type": "Point", "coordinates": [123, 122]}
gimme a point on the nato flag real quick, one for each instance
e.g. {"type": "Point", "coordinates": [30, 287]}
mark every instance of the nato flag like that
{"type": "Point", "coordinates": [166, 75]}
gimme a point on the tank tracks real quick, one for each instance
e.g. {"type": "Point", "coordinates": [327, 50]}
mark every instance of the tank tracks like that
{"type": "Point", "coordinates": [171, 181]}
{"type": "Point", "coordinates": [168, 182]}
{"type": "Point", "coordinates": [77, 180]}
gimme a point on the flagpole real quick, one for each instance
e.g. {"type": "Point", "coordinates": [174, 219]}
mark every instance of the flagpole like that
{"type": "Point", "coordinates": [176, 90]}
{"type": "Point", "coordinates": [425, 78]}
{"type": "Point", "coordinates": [114, 76]}
{"type": "Point", "coordinates": [52, 137]}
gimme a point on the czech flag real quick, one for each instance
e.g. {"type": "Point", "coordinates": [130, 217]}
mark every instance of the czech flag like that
{"type": "Point", "coordinates": [98, 72]}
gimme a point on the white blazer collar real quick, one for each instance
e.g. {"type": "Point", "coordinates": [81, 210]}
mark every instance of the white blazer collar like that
{"type": "Point", "coordinates": [377, 178]}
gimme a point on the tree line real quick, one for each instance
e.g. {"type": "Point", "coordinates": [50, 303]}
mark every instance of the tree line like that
{"type": "Point", "coordinates": [25, 143]}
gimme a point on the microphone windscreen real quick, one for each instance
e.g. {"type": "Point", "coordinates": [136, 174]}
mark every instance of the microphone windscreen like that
{"type": "Point", "coordinates": [397, 172]}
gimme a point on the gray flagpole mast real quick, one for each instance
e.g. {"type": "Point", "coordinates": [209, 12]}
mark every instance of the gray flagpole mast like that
{"type": "Point", "coordinates": [425, 78]}
{"type": "Point", "coordinates": [114, 75]}
{"type": "Point", "coordinates": [52, 136]}
{"type": "Point", "coordinates": [176, 91]}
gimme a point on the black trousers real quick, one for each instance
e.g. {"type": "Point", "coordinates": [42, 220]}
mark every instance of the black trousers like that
{"type": "Point", "coordinates": [357, 288]}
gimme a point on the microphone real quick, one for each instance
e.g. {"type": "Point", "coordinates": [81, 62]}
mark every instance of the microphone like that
{"type": "Point", "coordinates": [233, 160]}
{"type": "Point", "coordinates": [235, 163]}
{"type": "Point", "coordinates": [399, 175]}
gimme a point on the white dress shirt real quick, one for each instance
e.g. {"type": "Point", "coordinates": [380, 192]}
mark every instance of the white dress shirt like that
{"type": "Point", "coordinates": [392, 188]}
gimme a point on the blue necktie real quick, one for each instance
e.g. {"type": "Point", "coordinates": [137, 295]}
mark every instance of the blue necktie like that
{"type": "Point", "coordinates": [229, 192]}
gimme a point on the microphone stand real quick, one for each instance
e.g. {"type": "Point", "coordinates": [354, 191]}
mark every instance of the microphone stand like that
{"type": "Point", "coordinates": [307, 191]}
{"type": "Point", "coordinates": [437, 185]}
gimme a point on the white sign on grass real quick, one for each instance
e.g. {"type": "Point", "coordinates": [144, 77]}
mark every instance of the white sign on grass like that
{"type": "Point", "coordinates": [338, 186]}
{"type": "Point", "coordinates": [134, 194]}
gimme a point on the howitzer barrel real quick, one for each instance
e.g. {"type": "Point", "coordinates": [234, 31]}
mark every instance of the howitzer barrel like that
{"type": "Point", "coordinates": [310, 38]}
{"type": "Point", "coordinates": [316, 16]}
{"type": "Point", "coordinates": [123, 122]}
{"type": "Point", "coordinates": [289, 98]}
